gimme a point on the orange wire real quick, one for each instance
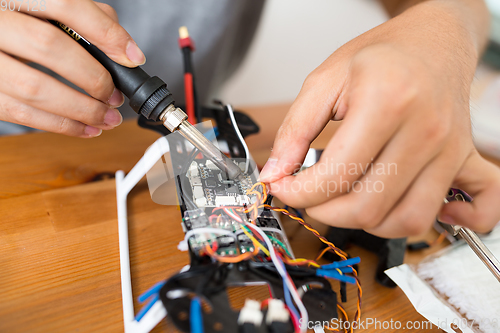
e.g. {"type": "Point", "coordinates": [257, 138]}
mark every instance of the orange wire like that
{"type": "Point", "coordinates": [253, 209]}
{"type": "Point", "coordinates": [330, 245]}
{"type": "Point", "coordinates": [325, 250]}
{"type": "Point", "coordinates": [228, 259]}
{"type": "Point", "coordinates": [440, 239]}
{"type": "Point", "coordinates": [344, 313]}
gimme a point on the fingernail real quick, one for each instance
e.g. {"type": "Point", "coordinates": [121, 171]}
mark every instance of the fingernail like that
{"type": "Point", "coordinates": [116, 98]}
{"type": "Point", "coordinates": [135, 54]}
{"type": "Point", "coordinates": [268, 170]}
{"type": "Point", "coordinates": [113, 117]}
{"type": "Point", "coordinates": [92, 131]}
{"type": "Point", "coordinates": [271, 188]}
{"type": "Point", "coordinates": [446, 219]}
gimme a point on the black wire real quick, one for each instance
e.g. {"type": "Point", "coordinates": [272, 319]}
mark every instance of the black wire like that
{"type": "Point", "coordinates": [268, 200]}
{"type": "Point", "coordinates": [292, 270]}
{"type": "Point", "coordinates": [266, 276]}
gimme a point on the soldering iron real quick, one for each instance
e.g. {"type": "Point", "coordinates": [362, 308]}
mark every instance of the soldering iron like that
{"type": "Point", "coordinates": [149, 96]}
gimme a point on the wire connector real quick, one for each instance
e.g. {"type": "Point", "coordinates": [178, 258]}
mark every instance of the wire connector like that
{"type": "Point", "coordinates": [183, 246]}
{"type": "Point", "coordinates": [184, 39]}
{"type": "Point", "coordinates": [251, 313]}
{"type": "Point", "coordinates": [276, 312]}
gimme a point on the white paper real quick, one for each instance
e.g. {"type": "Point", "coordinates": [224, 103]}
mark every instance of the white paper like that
{"type": "Point", "coordinates": [425, 301]}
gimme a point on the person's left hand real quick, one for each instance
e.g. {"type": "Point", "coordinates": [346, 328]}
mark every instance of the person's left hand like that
{"type": "Point", "coordinates": [402, 91]}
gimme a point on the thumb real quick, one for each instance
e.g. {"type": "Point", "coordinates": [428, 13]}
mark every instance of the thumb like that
{"type": "Point", "coordinates": [308, 115]}
{"type": "Point", "coordinates": [481, 179]}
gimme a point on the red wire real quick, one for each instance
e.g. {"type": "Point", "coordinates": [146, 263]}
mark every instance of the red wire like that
{"type": "Point", "coordinates": [189, 95]}
{"type": "Point", "coordinates": [295, 320]}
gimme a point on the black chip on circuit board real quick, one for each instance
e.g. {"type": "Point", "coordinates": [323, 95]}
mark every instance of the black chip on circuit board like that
{"type": "Point", "coordinates": [210, 183]}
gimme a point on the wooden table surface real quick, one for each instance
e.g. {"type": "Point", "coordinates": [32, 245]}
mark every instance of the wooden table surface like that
{"type": "Point", "coordinates": [59, 258]}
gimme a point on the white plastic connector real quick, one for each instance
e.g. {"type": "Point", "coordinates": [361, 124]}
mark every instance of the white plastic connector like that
{"type": "Point", "coordinates": [250, 313]}
{"type": "Point", "coordinates": [319, 329]}
{"type": "Point", "coordinates": [225, 200]}
{"type": "Point", "coordinates": [276, 312]}
{"type": "Point", "coordinates": [209, 164]}
{"type": "Point", "coordinates": [183, 246]}
{"type": "Point", "coordinates": [193, 169]}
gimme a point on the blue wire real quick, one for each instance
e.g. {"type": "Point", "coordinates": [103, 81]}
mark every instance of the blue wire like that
{"type": "Point", "coordinates": [297, 212]}
{"type": "Point", "coordinates": [153, 290]}
{"type": "Point", "coordinates": [335, 275]}
{"type": "Point", "coordinates": [154, 293]}
{"type": "Point", "coordinates": [286, 292]}
{"type": "Point", "coordinates": [146, 308]}
{"type": "Point", "coordinates": [346, 269]}
{"type": "Point", "coordinates": [288, 300]}
{"type": "Point", "coordinates": [195, 316]}
{"type": "Point", "coordinates": [343, 263]}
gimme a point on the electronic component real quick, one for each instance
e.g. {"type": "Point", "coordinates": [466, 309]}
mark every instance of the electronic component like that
{"type": "Point", "coordinates": [195, 219]}
{"type": "Point", "coordinates": [210, 190]}
{"type": "Point", "coordinates": [268, 222]}
{"type": "Point", "coordinates": [210, 183]}
{"type": "Point", "coordinates": [225, 200]}
{"type": "Point", "coordinates": [250, 313]}
{"type": "Point", "coordinates": [276, 312]}
{"type": "Point", "coordinates": [210, 165]}
{"type": "Point", "coordinates": [278, 317]}
{"type": "Point", "coordinates": [210, 187]}
{"type": "Point", "coordinates": [233, 240]}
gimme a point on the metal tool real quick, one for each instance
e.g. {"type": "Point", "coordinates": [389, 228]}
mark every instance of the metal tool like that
{"type": "Point", "coordinates": [475, 243]}
{"type": "Point", "coordinates": [150, 97]}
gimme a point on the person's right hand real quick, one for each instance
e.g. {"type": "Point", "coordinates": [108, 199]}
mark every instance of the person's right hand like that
{"type": "Point", "coordinates": [32, 98]}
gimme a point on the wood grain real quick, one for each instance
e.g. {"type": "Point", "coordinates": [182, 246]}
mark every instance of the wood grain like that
{"type": "Point", "coordinates": [41, 161]}
{"type": "Point", "coordinates": [59, 254]}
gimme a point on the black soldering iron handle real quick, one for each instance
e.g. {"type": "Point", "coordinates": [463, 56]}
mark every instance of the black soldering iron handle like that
{"type": "Point", "coordinates": [148, 95]}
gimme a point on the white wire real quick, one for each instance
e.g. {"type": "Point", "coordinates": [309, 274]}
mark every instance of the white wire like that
{"type": "Point", "coordinates": [237, 130]}
{"type": "Point", "coordinates": [281, 270]}
{"type": "Point", "coordinates": [196, 231]}
{"type": "Point", "coordinates": [234, 216]}
{"type": "Point", "coordinates": [279, 267]}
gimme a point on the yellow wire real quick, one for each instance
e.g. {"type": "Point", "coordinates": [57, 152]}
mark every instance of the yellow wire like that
{"type": "Point", "coordinates": [259, 203]}
{"type": "Point", "coordinates": [256, 243]}
{"type": "Point", "coordinates": [338, 251]}
{"type": "Point", "coordinates": [299, 260]}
